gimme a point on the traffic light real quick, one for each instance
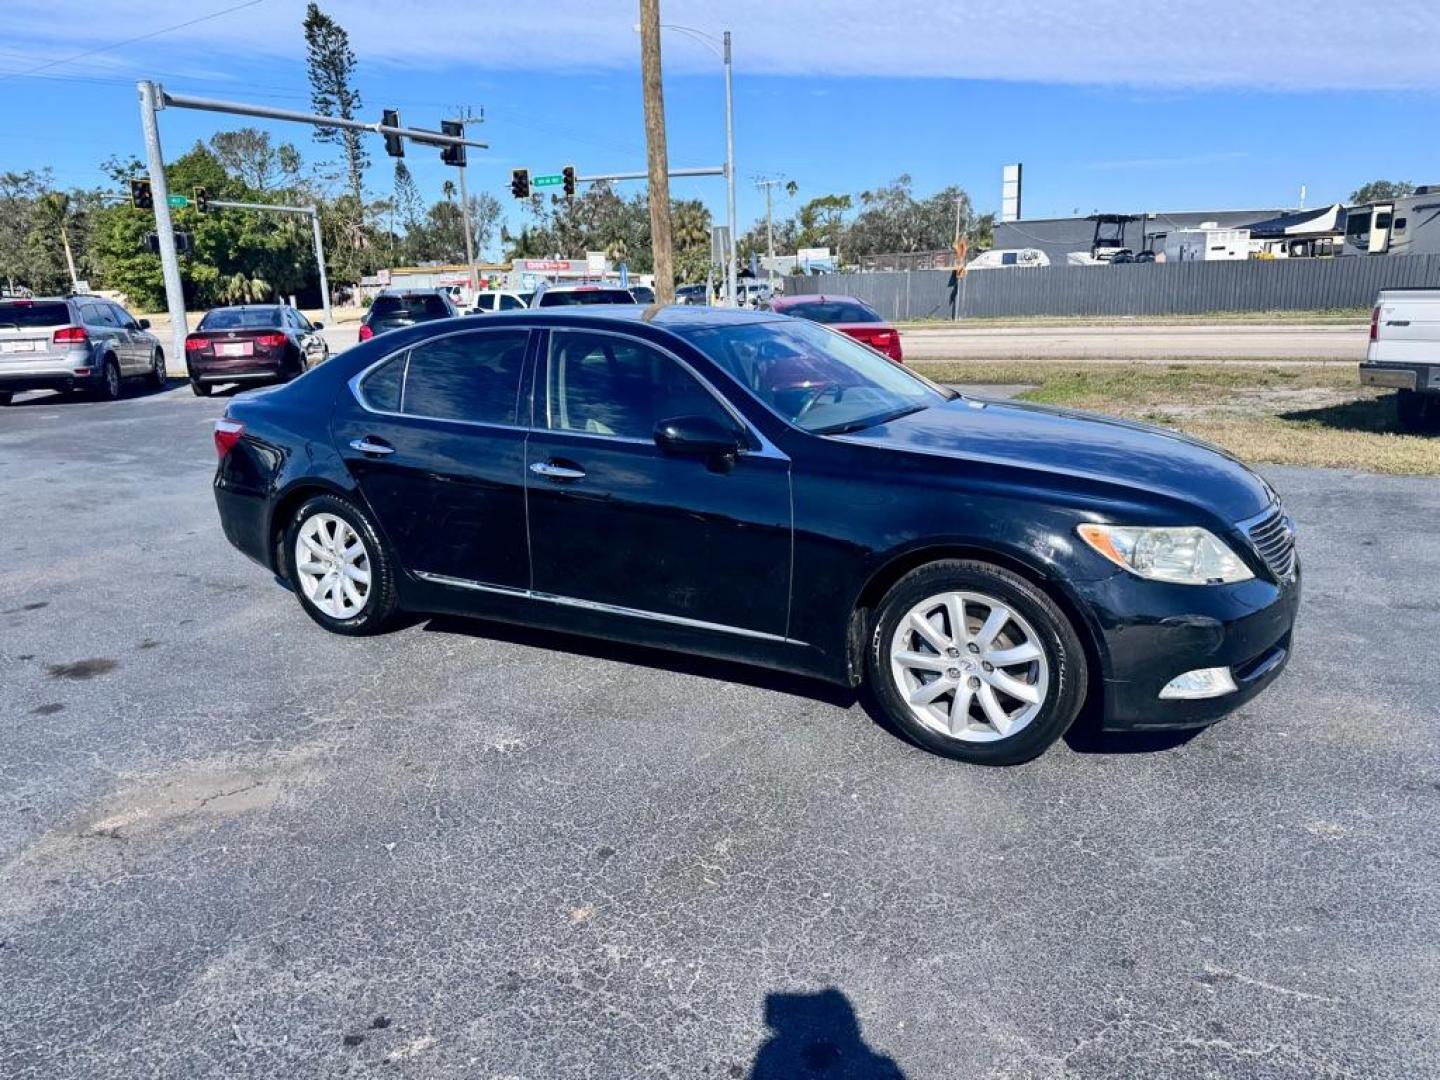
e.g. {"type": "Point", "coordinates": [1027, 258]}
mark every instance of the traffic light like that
{"type": "Point", "coordinates": [394, 144]}
{"type": "Point", "coordinates": [520, 183]}
{"type": "Point", "coordinates": [455, 153]}
{"type": "Point", "coordinates": [568, 179]}
{"type": "Point", "coordinates": [201, 200]}
{"type": "Point", "coordinates": [140, 196]}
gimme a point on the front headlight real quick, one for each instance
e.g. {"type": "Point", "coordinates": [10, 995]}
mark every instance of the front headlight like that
{"type": "Point", "coordinates": [1185, 555]}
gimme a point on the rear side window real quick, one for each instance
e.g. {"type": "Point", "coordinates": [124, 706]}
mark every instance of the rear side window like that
{"type": "Point", "coordinates": [29, 316]}
{"type": "Point", "coordinates": [381, 389]}
{"type": "Point", "coordinates": [474, 377]}
{"type": "Point", "coordinates": [99, 315]}
{"type": "Point", "coordinates": [832, 311]}
{"type": "Point", "coordinates": [510, 303]}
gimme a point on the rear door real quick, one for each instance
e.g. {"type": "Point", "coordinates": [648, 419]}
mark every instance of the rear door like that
{"type": "Point", "coordinates": [133, 344]}
{"type": "Point", "coordinates": [434, 438]}
{"type": "Point", "coordinates": [104, 328]}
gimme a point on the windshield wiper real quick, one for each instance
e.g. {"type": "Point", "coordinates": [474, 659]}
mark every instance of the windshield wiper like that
{"type": "Point", "coordinates": [871, 421]}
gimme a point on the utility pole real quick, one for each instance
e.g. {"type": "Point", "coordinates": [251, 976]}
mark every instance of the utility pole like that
{"type": "Point", "coordinates": [150, 101]}
{"type": "Point", "coordinates": [769, 233]}
{"type": "Point", "coordinates": [656, 156]}
{"type": "Point", "coordinates": [465, 118]}
{"type": "Point", "coordinates": [731, 270]}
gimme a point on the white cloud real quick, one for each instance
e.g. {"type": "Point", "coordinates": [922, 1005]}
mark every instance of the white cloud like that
{"type": "Point", "coordinates": [1321, 45]}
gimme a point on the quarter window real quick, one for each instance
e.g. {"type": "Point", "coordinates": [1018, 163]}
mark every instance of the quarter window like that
{"type": "Point", "coordinates": [605, 385]}
{"type": "Point", "coordinates": [381, 388]}
{"type": "Point", "coordinates": [474, 377]}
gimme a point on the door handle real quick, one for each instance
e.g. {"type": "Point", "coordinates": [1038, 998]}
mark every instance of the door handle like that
{"type": "Point", "coordinates": [368, 445]}
{"type": "Point", "coordinates": [557, 472]}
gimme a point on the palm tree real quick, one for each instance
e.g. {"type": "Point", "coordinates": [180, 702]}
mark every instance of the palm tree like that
{"type": "Point", "coordinates": [55, 213]}
{"type": "Point", "coordinates": [690, 225]}
{"type": "Point", "coordinates": [448, 189]}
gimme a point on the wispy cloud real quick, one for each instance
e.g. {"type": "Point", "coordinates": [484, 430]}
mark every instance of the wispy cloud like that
{"type": "Point", "coordinates": [1156, 44]}
{"type": "Point", "coordinates": [1125, 164]}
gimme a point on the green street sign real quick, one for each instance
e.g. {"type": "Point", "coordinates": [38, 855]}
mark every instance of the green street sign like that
{"type": "Point", "coordinates": [553, 180]}
{"type": "Point", "coordinates": [179, 202]}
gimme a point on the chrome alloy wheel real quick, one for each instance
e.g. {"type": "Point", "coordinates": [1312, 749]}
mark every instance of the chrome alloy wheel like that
{"type": "Point", "coordinates": [969, 667]}
{"type": "Point", "coordinates": [332, 566]}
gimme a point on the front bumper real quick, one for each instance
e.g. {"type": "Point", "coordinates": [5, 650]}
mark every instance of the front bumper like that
{"type": "Point", "coordinates": [1154, 632]}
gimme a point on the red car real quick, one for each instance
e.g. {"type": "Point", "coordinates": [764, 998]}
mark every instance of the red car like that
{"type": "Point", "coordinates": [255, 342]}
{"type": "Point", "coordinates": [846, 314]}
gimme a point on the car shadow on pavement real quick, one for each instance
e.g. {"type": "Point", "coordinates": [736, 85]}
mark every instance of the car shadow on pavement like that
{"type": "Point", "coordinates": [817, 1037]}
{"type": "Point", "coordinates": [131, 390]}
{"type": "Point", "coordinates": [1368, 414]}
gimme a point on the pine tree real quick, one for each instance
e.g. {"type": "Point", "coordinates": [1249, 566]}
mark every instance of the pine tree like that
{"type": "Point", "coordinates": [331, 67]}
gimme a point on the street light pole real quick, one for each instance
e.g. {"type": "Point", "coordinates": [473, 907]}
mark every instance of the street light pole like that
{"type": "Point", "coordinates": [151, 99]}
{"type": "Point", "coordinates": [730, 268]}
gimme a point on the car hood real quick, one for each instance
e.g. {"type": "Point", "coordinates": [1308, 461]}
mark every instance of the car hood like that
{"type": "Point", "coordinates": [1080, 445]}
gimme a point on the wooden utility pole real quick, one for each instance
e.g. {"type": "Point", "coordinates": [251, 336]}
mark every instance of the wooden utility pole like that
{"type": "Point", "coordinates": [657, 158]}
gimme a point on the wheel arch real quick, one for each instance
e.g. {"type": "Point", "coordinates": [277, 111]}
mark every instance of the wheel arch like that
{"type": "Point", "coordinates": [900, 563]}
{"type": "Point", "coordinates": [286, 504]}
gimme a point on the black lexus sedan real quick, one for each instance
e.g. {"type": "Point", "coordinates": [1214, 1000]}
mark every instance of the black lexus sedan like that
{"type": "Point", "coordinates": [748, 486]}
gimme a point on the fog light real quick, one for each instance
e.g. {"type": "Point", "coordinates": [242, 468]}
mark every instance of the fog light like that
{"type": "Point", "coordinates": [1204, 682]}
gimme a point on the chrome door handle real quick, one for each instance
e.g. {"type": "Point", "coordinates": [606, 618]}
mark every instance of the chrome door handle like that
{"type": "Point", "coordinates": [557, 472]}
{"type": "Point", "coordinates": [369, 446]}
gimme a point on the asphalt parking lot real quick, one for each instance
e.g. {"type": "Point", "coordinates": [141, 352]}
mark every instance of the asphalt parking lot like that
{"type": "Point", "coordinates": [233, 845]}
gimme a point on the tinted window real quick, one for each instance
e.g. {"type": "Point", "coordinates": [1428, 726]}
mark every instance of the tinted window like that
{"type": "Point", "coordinates": [1382, 221]}
{"type": "Point", "coordinates": [466, 377]}
{"type": "Point", "coordinates": [510, 303]}
{"type": "Point", "coordinates": [240, 319]}
{"type": "Point", "coordinates": [485, 301]}
{"type": "Point", "coordinates": [99, 315]}
{"type": "Point", "coordinates": [381, 388]}
{"type": "Point", "coordinates": [557, 298]}
{"type": "Point", "coordinates": [417, 308]}
{"type": "Point", "coordinates": [123, 317]}
{"type": "Point", "coordinates": [606, 385]}
{"type": "Point", "coordinates": [1400, 224]}
{"type": "Point", "coordinates": [1357, 225]}
{"type": "Point", "coordinates": [832, 311]}
{"type": "Point", "coordinates": [25, 315]}
{"type": "Point", "coordinates": [815, 378]}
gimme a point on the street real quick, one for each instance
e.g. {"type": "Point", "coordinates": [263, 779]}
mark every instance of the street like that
{"type": "Point", "coordinates": [234, 845]}
{"type": "Point", "coordinates": [1140, 341]}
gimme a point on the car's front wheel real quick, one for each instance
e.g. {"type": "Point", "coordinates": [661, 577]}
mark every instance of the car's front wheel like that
{"type": "Point", "coordinates": [974, 662]}
{"type": "Point", "coordinates": [339, 567]}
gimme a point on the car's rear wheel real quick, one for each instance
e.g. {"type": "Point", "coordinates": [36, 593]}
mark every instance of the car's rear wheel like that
{"type": "Point", "coordinates": [158, 375]}
{"type": "Point", "coordinates": [109, 389]}
{"type": "Point", "coordinates": [200, 389]}
{"type": "Point", "coordinates": [974, 662]}
{"type": "Point", "coordinates": [1418, 412]}
{"type": "Point", "coordinates": [339, 567]}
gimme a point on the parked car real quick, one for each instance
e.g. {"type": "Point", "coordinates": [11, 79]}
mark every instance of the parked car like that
{"type": "Point", "coordinates": [764, 489]}
{"type": "Point", "coordinates": [697, 295]}
{"type": "Point", "coordinates": [846, 314]}
{"type": "Point", "coordinates": [643, 294]}
{"type": "Point", "coordinates": [395, 308]}
{"type": "Point", "coordinates": [74, 343]}
{"type": "Point", "coordinates": [253, 343]}
{"type": "Point", "coordinates": [493, 300]}
{"type": "Point", "coordinates": [1404, 353]}
{"type": "Point", "coordinates": [577, 295]}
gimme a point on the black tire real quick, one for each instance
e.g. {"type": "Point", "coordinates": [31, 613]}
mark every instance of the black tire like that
{"type": "Point", "coordinates": [1418, 413]}
{"type": "Point", "coordinates": [378, 613]}
{"type": "Point", "coordinates": [158, 377]}
{"type": "Point", "coordinates": [1057, 639]}
{"type": "Point", "coordinates": [111, 385]}
{"type": "Point", "coordinates": [200, 389]}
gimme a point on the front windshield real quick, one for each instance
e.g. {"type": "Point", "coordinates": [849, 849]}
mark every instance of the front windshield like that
{"type": "Point", "coordinates": [816, 379]}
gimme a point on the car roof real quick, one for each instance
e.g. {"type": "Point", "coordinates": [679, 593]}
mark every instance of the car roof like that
{"type": "Point", "coordinates": [589, 286]}
{"type": "Point", "coordinates": [246, 307]}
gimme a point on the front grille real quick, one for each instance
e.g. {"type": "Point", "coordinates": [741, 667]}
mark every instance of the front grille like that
{"type": "Point", "coordinates": [1274, 538]}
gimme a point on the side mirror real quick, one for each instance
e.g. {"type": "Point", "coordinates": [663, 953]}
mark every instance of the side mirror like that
{"type": "Point", "coordinates": [317, 326]}
{"type": "Point", "coordinates": [143, 324]}
{"type": "Point", "coordinates": [698, 436]}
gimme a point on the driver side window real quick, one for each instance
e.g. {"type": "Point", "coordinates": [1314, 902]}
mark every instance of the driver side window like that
{"type": "Point", "coordinates": [600, 384]}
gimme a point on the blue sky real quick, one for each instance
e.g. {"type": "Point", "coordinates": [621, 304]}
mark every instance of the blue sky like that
{"type": "Point", "coordinates": [1110, 105]}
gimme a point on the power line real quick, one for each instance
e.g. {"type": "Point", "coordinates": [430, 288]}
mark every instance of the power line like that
{"type": "Point", "coordinates": [131, 41]}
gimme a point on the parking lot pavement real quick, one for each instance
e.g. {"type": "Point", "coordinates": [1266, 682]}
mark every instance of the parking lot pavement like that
{"type": "Point", "coordinates": [233, 845]}
{"type": "Point", "coordinates": [1151, 342]}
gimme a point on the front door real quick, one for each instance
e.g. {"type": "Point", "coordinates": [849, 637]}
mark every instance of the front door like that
{"type": "Point", "coordinates": [439, 454]}
{"type": "Point", "coordinates": [616, 522]}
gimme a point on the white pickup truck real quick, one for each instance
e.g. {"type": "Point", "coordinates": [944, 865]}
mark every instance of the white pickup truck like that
{"type": "Point", "coordinates": [1404, 353]}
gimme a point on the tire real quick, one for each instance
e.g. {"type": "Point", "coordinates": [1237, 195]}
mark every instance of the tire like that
{"type": "Point", "coordinates": [1418, 413]}
{"type": "Point", "coordinates": [158, 376]}
{"type": "Point", "coordinates": [201, 389]}
{"type": "Point", "coordinates": [329, 520]}
{"type": "Point", "coordinates": [110, 383]}
{"type": "Point", "coordinates": [1046, 665]}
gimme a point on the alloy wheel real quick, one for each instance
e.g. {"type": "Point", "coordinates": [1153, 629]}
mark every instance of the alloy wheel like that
{"type": "Point", "coordinates": [332, 566]}
{"type": "Point", "coordinates": [969, 666]}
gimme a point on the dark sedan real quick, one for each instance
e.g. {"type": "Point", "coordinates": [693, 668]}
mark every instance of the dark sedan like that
{"type": "Point", "coordinates": [764, 489]}
{"type": "Point", "coordinates": [252, 343]}
{"type": "Point", "coordinates": [846, 314]}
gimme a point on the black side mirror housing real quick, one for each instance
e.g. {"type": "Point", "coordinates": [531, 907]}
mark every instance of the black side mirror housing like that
{"type": "Point", "coordinates": [698, 436]}
{"type": "Point", "coordinates": [144, 324]}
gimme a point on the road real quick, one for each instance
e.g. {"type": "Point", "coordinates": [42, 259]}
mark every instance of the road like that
{"type": "Point", "coordinates": [1146, 342]}
{"type": "Point", "coordinates": [232, 845]}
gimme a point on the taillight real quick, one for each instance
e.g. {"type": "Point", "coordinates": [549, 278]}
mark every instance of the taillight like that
{"type": "Point", "coordinates": [195, 344]}
{"type": "Point", "coordinates": [270, 341]}
{"type": "Point", "coordinates": [1375, 323]}
{"type": "Point", "coordinates": [71, 335]}
{"type": "Point", "coordinates": [366, 333]}
{"type": "Point", "coordinates": [227, 434]}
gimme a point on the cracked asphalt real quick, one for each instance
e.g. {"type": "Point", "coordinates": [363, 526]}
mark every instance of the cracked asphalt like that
{"type": "Point", "coordinates": [232, 845]}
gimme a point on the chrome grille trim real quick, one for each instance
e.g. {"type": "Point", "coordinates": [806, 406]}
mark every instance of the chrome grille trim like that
{"type": "Point", "coordinates": [1272, 534]}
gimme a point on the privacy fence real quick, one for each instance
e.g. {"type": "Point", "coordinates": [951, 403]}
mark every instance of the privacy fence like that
{"type": "Point", "coordinates": [1190, 288]}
